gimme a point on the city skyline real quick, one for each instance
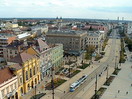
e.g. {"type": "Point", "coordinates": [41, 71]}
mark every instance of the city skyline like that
{"type": "Point", "coordinates": [66, 8]}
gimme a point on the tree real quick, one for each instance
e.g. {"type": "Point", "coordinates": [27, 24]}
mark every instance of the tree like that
{"type": "Point", "coordinates": [90, 29]}
{"type": "Point", "coordinates": [89, 50]}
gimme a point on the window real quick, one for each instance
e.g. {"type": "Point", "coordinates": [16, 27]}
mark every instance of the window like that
{"type": "Point", "coordinates": [11, 87]}
{"type": "Point", "coordinates": [21, 79]}
{"type": "Point", "coordinates": [37, 68]}
{"type": "Point", "coordinates": [10, 52]}
{"type": "Point", "coordinates": [15, 85]}
{"type": "Point", "coordinates": [34, 71]}
{"type": "Point", "coordinates": [15, 52]}
{"type": "Point", "coordinates": [3, 92]}
{"type": "Point", "coordinates": [7, 89]}
{"type": "Point", "coordinates": [30, 72]}
{"type": "Point", "coordinates": [26, 75]}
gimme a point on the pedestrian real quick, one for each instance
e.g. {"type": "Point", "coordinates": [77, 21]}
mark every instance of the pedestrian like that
{"type": "Point", "coordinates": [126, 92]}
{"type": "Point", "coordinates": [131, 85]}
{"type": "Point", "coordinates": [64, 91]}
{"type": "Point", "coordinates": [118, 91]}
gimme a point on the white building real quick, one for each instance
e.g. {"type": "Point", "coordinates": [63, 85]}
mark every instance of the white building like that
{"type": "Point", "coordinates": [8, 84]}
{"type": "Point", "coordinates": [95, 39]}
{"type": "Point", "coordinates": [129, 28]}
{"type": "Point", "coordinates": [41, 29]}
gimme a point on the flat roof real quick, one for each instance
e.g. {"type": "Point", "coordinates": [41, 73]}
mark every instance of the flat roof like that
{"type": "Point", "coordinates": [71, 32]}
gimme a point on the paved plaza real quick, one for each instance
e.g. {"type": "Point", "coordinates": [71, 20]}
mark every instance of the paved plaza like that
{"type": "Point", "coordinates": [121, 87]}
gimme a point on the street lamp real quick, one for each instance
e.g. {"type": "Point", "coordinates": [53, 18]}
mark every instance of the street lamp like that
{"type": "Point", "coordinates": [115, 63]}
{"type": "Point", "coordinates": [107, 72]}
{"type": "Point", "coordinates": [95, 97]}
{"type": "Point", "coordinates": [69, 71]}
{"type": "Point", "coordinates": [52, 82]}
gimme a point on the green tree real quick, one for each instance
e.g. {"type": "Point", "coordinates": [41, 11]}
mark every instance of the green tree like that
{"type": "Point", "coordinates": [89, 50]}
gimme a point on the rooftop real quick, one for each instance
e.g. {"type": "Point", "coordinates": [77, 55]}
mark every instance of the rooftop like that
{"type": "Point", "coordinates": [5, 75]}
{"type": "Point", "coordinates": [71, 32]}
{"type": "Point", "coordinates": [16, 66]}
{"type": "Point", "coordinates": [7, 31]}
{"type": "Point", "coordinates": [96, 34]}
{"type": "Point", "coordinates": [21, 58]}
{"type": "Point", "coordinates": [20, 36]}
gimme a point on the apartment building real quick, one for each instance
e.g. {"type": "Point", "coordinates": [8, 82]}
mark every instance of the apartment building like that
{"type": "Point", "coordinates": [74, 42]}
{"type": "Point", "coordinates": [14, 48]}
{"type": "Point", "coordinates": [4, 41]}
{"type": "Point", "coordinates": [57, 56]}
{"type": "Point", "coordinates": [95, 39]}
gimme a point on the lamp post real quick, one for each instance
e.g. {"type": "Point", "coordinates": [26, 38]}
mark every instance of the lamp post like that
{"type": "Point", "coordinates": [107, 72]}
{"type": "Point", "coordinates": [69, 71]}
{"type": "Point", "coordinates": [115, 62]}
{"type": "Point", "coordinates": [96, 88]}
{"type": "Point", "coordinates": [52, 82]}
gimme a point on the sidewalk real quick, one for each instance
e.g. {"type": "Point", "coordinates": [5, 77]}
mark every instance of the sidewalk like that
{"type": "Point", "coordinates": [122, 82]}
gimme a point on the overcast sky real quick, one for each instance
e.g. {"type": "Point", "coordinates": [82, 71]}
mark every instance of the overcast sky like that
{"type": "Point", "coordinates": [94, 9]}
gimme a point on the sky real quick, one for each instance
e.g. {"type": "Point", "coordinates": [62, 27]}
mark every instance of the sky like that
{"type": "Point", "coordinates": [93, 9]}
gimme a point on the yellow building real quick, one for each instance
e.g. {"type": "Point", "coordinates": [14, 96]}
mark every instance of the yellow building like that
{"type": "Point", "coordinates": [27, 69]}
{"type": "Point", "coordinates": [10, 25]}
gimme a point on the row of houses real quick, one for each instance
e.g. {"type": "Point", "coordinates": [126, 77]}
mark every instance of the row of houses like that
{"type": "Point", "coordinates": [27, 65]}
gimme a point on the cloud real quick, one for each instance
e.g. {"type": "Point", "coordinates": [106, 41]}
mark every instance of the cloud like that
{"type": "Point", "coordinates": [65, 8]}
{"type": "Point", "coordinates": [113, 9]}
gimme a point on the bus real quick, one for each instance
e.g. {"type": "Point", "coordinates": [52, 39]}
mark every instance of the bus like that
{"type": "Point", "coordinates": [77, 83]}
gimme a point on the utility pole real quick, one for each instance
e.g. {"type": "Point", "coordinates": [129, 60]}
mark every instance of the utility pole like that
{"type": "Point", "coordinates": [69, 71]}
{"type": "Point", "coordinates": [115, 62]}
{"type": "Point", "coordinates": [52, 82]}
{"type": "Point", "coordinates": [96, 88]}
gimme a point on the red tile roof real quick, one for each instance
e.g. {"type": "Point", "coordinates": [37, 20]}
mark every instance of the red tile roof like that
{"type": "Point", "coordinates": [7, 31]}
{"type": "Point", "coordinates": [5, 75]}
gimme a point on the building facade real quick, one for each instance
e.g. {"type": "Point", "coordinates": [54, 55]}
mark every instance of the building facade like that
{"type": "Point", "coordinates": [50, 55]}
{"type": "Point", "coordinates": [4, 41]}
{"type": "Point", "coordinates": [95, 39]}
{"type": "Point", "coordinates": [28, 69]}
{"type": "Point", "coordinates": [73, 41]}
{"type": "Point", "coordinates": [57, 56]}
{"type": "Point", "coordinates": [8, 84]}
{"type": "Point", "coordinates": [129, 28]}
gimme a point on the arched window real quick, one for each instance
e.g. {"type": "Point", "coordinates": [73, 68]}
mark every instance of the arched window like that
{"type": "Point", "coordinates": [30, 72]}
{"type": "Point", "coordinates": [34, 71]}
{"type": "Point", "coordinates": [35, 81]}
{"type": "Point", "coordinates": [38, 77]}
{"type": "Point", "coordinates": [28, 87]}
{"type": "Point", "coordinates": [26, 75]}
